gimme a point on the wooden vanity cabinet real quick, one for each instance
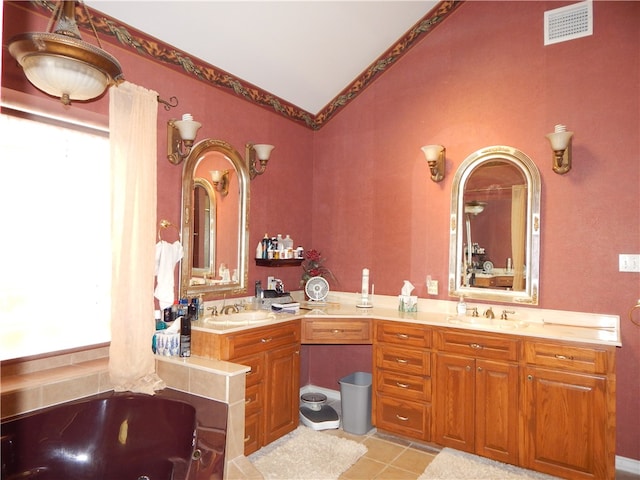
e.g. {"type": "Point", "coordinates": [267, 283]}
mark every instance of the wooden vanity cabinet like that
{"type": "Point", "coordinates": [336, 331]}
{"type": "Point", "coordinates": [273, 384]}
{"type": "Point", "coordinates": [476, 393]}
{"type": "Point", "coordinates": [569, 409]}
{"type": "Point", "coordinates": [401, 397]}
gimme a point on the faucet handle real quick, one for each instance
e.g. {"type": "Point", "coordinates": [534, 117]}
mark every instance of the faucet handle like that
{"type": "Point", "coordinates": [504, 314]}
{"type": "Point", "coordinates": [214, 311]}
{"type": "Point", "coordinates": [474, 312]}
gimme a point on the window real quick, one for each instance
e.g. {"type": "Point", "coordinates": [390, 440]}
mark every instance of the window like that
{"type": "Point", "coordinates": [56, 282]}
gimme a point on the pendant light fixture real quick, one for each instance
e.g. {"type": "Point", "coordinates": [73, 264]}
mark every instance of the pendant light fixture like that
{"type": "Point", "coordinates": [60, 63]}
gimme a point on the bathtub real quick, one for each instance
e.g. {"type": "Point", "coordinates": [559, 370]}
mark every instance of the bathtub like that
{"type": "Point", "coordinates": [118, 436]}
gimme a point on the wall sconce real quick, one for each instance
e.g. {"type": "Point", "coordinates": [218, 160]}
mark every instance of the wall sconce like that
{"type": "Point", "coordinates": [257, 157]}
{"type": "Point", "coordinates": [560, 141]}
{"type": "Point", "coordinates": [220, 180]}
{"type": "Point", "coordinates": [179, 133]}
{"type": "Point", "coordinates": [435, 158]}
{"type": "Point", "coordinates": [62, 65]}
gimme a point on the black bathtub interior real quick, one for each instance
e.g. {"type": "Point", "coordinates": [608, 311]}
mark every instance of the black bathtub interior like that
{"type": "Point", "coordinates": [168, 436]}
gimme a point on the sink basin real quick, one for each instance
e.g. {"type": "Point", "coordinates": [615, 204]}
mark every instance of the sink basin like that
{"type": "Point", "coordinates": [241, 318]}
{"type": "Point", "coordinates": [493, 323]}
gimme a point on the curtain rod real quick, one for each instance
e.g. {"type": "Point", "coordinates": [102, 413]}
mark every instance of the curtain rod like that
{"type": "Point", "coordinates": [168, 105]}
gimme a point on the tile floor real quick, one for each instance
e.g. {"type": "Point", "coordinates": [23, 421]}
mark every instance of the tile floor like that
{"type": "Point", "coordinates": [388, 457]}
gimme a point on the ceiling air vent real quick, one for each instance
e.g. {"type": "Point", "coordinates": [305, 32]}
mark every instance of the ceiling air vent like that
{"type": "Point", "coordinates": [568, 23]}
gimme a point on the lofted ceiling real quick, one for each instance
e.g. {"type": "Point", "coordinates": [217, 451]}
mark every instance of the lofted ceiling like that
{"type": "Point", "coordinates": [305, 52]}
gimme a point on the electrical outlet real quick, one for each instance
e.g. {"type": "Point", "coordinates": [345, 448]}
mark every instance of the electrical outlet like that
{"type": "Point", "coordinates": [432, 286]}
{"type": "Point", "coordinates": [629, 263]}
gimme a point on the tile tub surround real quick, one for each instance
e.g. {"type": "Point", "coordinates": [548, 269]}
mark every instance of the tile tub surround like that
{"type": "Point", "coordinates": [34, 383]}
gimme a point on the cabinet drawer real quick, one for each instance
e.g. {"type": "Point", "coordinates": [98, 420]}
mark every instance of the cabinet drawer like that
{"type": "Point", "coordinates": [256, 363]}
{"type": "Point", "coordinates": [405, 360]}
{"type": "Point", "coordinates": [260, 339]}
{"type": "Point", "coordinates": [396, 384]}
{"type": "Point", "coordinates": [252, 436]}
{"type": "Point", "coordinates": [409, 418]}
{"type": "Point", "coordinates": [253, 399]}
{"type": "Point", "coordinates": [477, 345]}
{"type": "Point", "coordinates": [568, 357]}
{"type": "Point", "coordinates": [408, 334]}
{"type": "Point", "coordinates": [338, 331]}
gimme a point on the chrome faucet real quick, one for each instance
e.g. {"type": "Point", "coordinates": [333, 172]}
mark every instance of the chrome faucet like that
{"type": "Point", "coordinates": [489, 313]}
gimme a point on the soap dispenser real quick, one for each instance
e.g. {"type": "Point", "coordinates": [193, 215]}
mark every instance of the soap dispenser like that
{"type": "Point", "coordinates": [462, 307]}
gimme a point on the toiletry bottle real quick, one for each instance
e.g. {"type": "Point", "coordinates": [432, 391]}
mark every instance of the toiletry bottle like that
{"type": "Point", "coordinates": [200, 307]}
{"type": "Point", "coordinates": [259, 250]}
{"type": "Point", "coordinates": [185, 336]}
{"type": "Point", "coordinates": [192, 310]}
{"type": "Point", "coordinates": [265, 246]}
{"type": "Point", "coordinates": [174, 310]}
{"type": "Point", "coordinates": [462, 307]}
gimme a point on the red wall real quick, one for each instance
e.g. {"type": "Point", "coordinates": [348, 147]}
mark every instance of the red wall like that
{"type": "Point", "coordinates": [485, 78]}
{"type": "Point", "coordinates": [359, 189]}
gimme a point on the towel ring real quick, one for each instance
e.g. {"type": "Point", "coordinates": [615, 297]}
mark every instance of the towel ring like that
{"type": "Point", "coordinates": [635, 307]}
{"type": "Point", "coordinates": [166, 224]}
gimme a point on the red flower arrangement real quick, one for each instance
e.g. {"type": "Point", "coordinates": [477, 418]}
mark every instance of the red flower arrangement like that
{"type": "Point", "coordinates": [313, 266]}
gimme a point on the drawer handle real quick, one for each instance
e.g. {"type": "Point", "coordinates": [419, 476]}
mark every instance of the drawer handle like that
{"type": "Point", "coordinates": [402, 385]}
{"type": "Point", "coordinates": [563, 357]}
{"type": "Point", "coordinates": [400, 417]}
{"type": "Point", "coordinates": [335, 330]}
{"type": "Point", "coordinates": [248, 401]}
{"type": "Point", "coordinates": [266, 340]}
{"type": "Point", "coordinates": [402, 360]}
{"type": "Point", "coordinates": [247, 438]}
{"type": "Point", "coordinates": [403, 336]}
{"type": "Point", "coordinates": [476, 346]}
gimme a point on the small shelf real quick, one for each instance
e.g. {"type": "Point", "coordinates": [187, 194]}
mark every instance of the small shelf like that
{"type": "Point", "coordinates": [269, 262]}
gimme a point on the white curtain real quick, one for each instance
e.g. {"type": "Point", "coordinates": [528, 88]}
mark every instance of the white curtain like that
{"type": "Point", "coordinates": [518, 227]}
{"type": "Point", "coordinates": [133, 133]}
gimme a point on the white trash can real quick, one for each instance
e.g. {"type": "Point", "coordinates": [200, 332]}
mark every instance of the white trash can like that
{"type": "Point", "coordinates": [355, 399]}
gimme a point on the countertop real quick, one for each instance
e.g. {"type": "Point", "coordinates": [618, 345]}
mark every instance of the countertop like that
{"type": "Point", "coordinates": [524, 321]}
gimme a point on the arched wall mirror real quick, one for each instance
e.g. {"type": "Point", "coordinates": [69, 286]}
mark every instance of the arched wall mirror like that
{"type": "Point", "coordinates": [215, 221]}
{"type": "Point", "coordinates": [494, 247]}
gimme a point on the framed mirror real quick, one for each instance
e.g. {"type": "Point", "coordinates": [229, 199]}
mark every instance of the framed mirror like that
{"type": "Point", "coordinates": [215, 221]}
{"type": "Point", "coordinates": [494, 247]}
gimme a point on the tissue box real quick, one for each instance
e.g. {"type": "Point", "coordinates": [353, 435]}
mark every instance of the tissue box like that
{"type": "Point", "coordinates": [408, 303]}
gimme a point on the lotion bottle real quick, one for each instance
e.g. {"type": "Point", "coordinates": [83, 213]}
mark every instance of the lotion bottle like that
{"type": "Point", "coordinates": [462, 307]}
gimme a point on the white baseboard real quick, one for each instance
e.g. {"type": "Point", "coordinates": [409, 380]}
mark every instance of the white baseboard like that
{"type": "Point", "coordinates": [628, 465]}
{"type": "Point", "coordinates": [331, 394]}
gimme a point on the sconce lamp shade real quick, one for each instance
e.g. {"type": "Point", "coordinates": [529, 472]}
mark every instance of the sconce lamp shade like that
{"type": "Point", "coordinates": [263, 151]}
{"type": "Point", "coordinates": [434, 155]}
{"type": "Point", "coordinates": [187, 127]}
{"type": "Point", "coordinates": [257, 158]}
{"type": "Point", "coordinates": [180, 137]}
{"type": "Point", "coordinates": [560, 141]}
{"type": "Point", "coordinates": [220, 179]}
{"type": "Point", "coordinates": [61, 64]}
{"type": "Point", "coordinates": [432, 152]}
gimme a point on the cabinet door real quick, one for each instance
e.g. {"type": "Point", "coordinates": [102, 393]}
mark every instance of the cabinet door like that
{"type": "Point", "coordinates": [455, 402]}
{"type": "Point", "coordinates": [282, 389]}
{"type": "Point", "coordinates": [565, 424]}
{"type": "Point", "coordinates": [496, 415]}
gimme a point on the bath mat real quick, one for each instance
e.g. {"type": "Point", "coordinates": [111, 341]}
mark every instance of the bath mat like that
{"type": "Point", "coordinates": [452, 464]}
{"type": "Point", "coordinates": [307, 454]}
